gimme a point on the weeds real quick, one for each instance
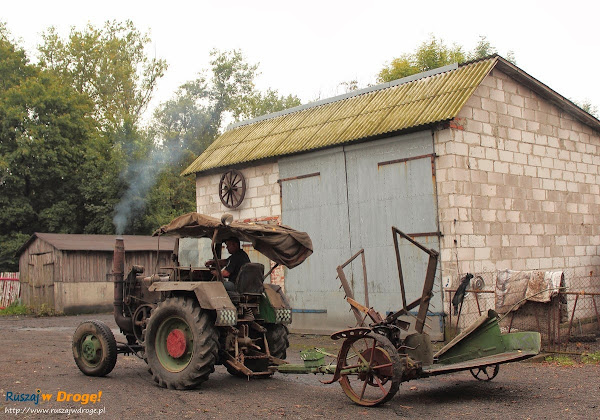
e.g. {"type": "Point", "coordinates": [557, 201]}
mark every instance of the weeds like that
{"type": "Point", "coordinates": [45, 310]}
{"type": "Point", "coordinates": [15, 308]}
{"type": "Point", "coordinates": [560, 360]}
{"type": "Point", "coordinates": [591, 358]}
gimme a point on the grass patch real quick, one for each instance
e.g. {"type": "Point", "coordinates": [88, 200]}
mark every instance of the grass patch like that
{"type": "Point", "coordinates": [15, 308]}
{"type": "Point", "coordinates": [560, 360]}
{"type": "Point", "coordinates": [591, 358]}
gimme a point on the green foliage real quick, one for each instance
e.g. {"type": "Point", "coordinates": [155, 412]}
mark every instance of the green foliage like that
{"type": "Point", "coordinates": [45, 310]}
{"type": "Point", "coordinates": [74, 157]}
{"type": "Point", "coordinates": [260, 103]}
{"type": "Point", "coordinates": [588, 107]}
{"type": "Point", "coordinates": [45, 126]}
{"type": "Point", "coordinates": [434, 53]}
{"type": "Point", "coordinates": [431, 54]}
{"type": "Point", "coordinates": [560, 360]}
{"type": "Point", "coordinates": [591, 358]}
{"type": "Point", "coordinates": [482, 49]}
{"type": "Point", "coordinates": [15, 308]}
{"type": "Point", "coordinates": [10, 241]}
{"type": "Point", "coordinates": [108, 64]}
{"type": "Point", "coordinates": [186, 125]}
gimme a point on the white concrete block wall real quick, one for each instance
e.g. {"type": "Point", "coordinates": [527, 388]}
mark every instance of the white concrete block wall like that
{"type": "Point", "coordinates": [518, 186]}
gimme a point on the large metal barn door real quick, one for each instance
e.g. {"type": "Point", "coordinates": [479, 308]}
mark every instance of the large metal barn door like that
{"type": "Point", "coordinates": [313, 191]}
{"type": "Point", "coordinates": [392, 183]}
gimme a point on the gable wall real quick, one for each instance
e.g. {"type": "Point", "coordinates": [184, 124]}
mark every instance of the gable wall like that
{"type": "Point", "coordinates": [518, 186]}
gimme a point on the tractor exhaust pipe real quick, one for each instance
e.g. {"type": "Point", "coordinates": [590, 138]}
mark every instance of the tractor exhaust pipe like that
{"type": "Point", "coordinates": [122, 321]}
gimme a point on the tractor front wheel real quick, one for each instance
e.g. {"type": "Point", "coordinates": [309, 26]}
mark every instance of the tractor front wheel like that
{"type": "Point", "coordinates": [181, 343]}
{"type": "Point", "coordinates": [94, 348]}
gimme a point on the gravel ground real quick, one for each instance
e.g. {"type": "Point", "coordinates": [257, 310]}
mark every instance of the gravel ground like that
{"type": "Point", "coordinates": [36, 354]}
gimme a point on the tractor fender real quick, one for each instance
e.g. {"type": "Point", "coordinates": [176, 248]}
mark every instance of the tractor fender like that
{"type": "Point", "coordinates": [276, 297]}
{"type": "Point", "coordinates": [275, 307]}
{"type": "Point", "coordinates": [211, 295]}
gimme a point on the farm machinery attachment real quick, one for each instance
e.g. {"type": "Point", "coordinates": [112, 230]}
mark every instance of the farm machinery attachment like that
{"type": "Point", "coordinates": [380, 353]}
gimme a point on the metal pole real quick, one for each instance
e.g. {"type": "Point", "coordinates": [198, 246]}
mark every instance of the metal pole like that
{"type": "Point", "coordinates": [572, 316]}
{"type": "Point", "coordinates": [364, 267]}
{"type": "Point", "coordinates": [596, 309]}
{"type": "Point", "coordinates": [399, 264]}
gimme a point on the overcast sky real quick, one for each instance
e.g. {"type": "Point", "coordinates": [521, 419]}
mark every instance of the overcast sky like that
{"type": "Point", "coordinates": [308, 47]}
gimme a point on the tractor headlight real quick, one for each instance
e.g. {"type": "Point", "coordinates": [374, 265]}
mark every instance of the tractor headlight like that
{"type": "Point", "coordinates": [283, 316]}
{"type": "Point", "coordinates": [226, 317]}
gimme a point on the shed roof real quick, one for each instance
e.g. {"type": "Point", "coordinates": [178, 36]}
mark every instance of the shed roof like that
{"type": "Point", "coordinates": [75, 242]}
{"type": "Point", "coordinates": [406, 104]}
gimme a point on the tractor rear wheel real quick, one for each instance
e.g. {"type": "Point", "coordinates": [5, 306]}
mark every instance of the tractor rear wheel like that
{"type": "Point", "coordinates": [94, 348]}
{"type": "Point", "coordinates": [181, 343]}
{"type": "Point", "coordinates": [277, 337]}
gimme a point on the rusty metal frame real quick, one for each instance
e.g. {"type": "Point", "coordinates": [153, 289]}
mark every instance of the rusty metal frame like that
{"type": "Point", "coordinates": [356, 307]}
{"type": "Point", "coordinates": [423, 301]}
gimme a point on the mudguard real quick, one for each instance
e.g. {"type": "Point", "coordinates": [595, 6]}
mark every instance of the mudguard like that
{"type": "Point", "coordinates": [211, 296]}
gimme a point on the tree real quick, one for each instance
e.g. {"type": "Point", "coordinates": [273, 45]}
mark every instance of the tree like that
{"type": "Point", "coordinates": [186, 125]}
{"type": "Point", "coordinates": [109, 65]}
{"type": "Point", "coordinates": [195, 116]}
{"type": "Point", "coordinates": [432, 54]}
{"type": "Point", "coordinates": [587, 106]}
{"type": "Point", "coordinates": [482, 49]}
{"type": "Point", "coordinates": [44, 127]}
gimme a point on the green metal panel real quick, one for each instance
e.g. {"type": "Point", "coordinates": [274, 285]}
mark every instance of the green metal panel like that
{"type": "Point", "coordinates": [385, 109]}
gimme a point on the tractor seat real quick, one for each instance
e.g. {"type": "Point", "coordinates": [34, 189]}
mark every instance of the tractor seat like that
{"type": "Point", "coordinates": [250, 279]}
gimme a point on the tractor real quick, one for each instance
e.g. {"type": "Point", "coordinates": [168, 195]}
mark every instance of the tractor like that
{"type": "Point", "coordinates": [187, 318]}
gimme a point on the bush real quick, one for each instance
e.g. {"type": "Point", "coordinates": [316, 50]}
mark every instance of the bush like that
{"type": "Point", "coordinates": [15, 308]}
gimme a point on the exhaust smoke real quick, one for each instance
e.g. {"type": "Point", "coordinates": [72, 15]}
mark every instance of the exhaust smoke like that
{"type": "Point", "coordinates": [140, 177]}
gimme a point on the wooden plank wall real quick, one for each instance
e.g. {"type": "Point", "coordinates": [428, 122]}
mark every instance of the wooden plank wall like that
{"type": "Point", "coordinates": [41, 266]}
{"type": "Point", "coordinates": [87, 266]}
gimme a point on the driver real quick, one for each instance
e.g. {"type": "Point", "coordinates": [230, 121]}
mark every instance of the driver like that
{"type": "Point", "coordinates": [237, 258]}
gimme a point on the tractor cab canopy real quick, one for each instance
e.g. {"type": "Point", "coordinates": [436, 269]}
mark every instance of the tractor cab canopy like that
{"type": "Point", "coordinates": [281, 244]}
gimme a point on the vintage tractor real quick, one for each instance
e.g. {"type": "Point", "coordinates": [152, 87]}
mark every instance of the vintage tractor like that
{"type": "Point", "coordinates": [186, 320]}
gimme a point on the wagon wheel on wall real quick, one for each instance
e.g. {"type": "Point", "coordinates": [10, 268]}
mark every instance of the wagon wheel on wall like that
{"type": "Point", "coordinates": [232, 188]}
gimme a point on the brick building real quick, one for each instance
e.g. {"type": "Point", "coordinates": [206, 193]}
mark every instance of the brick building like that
{"type": "Point", "coordinates": [480, 161]}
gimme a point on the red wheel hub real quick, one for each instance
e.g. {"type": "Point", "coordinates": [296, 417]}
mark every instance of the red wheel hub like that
{"type": "Point", "coordinates": [176, 343]}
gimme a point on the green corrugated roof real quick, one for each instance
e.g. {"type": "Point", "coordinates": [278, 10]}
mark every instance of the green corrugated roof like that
{"type": "Point", "coordinates": [384, 109]}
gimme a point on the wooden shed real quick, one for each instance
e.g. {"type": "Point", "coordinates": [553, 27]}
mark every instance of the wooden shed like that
{"type": "Point", "coordinates": [72, 273]}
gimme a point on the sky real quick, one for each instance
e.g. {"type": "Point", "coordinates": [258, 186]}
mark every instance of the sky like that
{"type": "Point", "coordinates": [308, 48]}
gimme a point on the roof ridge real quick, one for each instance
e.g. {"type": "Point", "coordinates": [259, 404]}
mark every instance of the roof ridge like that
{"type": "Point", "coordinates": [358, 92]}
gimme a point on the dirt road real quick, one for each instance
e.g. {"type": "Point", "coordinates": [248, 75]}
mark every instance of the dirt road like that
{"type": "Point", "coordinates": [35, 353]}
